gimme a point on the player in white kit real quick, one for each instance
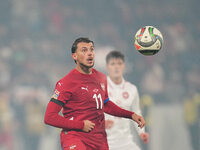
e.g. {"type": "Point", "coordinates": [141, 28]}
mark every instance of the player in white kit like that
{"type": "Point", "coordinates": [125, 94]}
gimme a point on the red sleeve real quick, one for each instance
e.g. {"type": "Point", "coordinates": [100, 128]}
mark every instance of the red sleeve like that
{"type": "Point", "coordinates": [53, 118]}
{"type": "Point", "coordinates": [114, 110]}
{"type": "Point", "coordinates": [61, 92]}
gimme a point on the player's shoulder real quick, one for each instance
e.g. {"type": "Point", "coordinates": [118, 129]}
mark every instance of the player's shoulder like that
{"type": "Point", "coordinates": [130, 85]}
{"type": "Point", "coordinates": [99, 74]}
{"type": "Point", "coordinates": [67, 78]}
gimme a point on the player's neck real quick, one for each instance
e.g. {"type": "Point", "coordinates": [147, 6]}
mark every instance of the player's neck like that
{"type": "Point", "coordinates": [84, 70]}
{"type": "Point", "coordinates": [116, 80]}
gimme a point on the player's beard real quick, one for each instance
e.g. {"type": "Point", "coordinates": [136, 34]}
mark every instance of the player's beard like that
{"type": "Point", "coordinates": [86, 67]}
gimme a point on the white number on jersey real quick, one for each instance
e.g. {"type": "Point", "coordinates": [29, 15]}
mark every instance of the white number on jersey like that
{"type": "Point", "coordinates": [99, 106]}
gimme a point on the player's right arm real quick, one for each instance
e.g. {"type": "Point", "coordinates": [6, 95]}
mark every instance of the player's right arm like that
{"type": "Point", "coordinates": [53, 118]}
{"type": "Point", "coordinates": [55, 105]}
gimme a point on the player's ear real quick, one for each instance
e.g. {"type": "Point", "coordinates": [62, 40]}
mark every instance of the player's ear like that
{"type": "Point", "coordinates": [74, 56]}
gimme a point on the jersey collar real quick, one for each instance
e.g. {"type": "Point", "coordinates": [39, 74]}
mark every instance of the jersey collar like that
{"type": "Point", "coordinates": [110, 82]}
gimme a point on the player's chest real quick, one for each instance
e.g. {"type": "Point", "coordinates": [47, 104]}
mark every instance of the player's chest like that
{"type": "Point", "coordinates": [89, 91]}
{"type": "Point", "coordinates": [122, 97]}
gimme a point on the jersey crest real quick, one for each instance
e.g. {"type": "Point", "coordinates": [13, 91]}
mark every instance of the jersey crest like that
{"type": "Point", "coordinates": [125, 95]}
{"type": "Point", "coordinates": [103, 86]}
{"type": "Point", "coordinates": [95, 90]}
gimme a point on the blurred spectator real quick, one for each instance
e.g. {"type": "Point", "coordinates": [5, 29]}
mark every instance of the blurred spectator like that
{"type": "Point", "coordinates": [192, 109]}
{"type": "Point", "coordinates": [147, 104]}
{"type": "Point", "coordinates": [6, 123]}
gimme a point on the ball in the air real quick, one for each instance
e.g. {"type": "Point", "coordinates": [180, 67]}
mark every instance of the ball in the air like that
{"type": "Point", "coordinates": [148, 40]}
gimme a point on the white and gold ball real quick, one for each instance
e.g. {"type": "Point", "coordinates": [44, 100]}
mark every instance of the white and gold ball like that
{"type": "Point", "coordinates": [148, 40]}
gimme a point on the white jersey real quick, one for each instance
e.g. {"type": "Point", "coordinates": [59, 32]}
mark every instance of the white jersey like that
{"type": "Point", "coordinates": [126, 96]}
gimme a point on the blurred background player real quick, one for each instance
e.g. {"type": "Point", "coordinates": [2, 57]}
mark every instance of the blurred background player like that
{"type": "Point", "coordinates": [82, 94]}
{"type": "Point", "coordinates": [125, 95]}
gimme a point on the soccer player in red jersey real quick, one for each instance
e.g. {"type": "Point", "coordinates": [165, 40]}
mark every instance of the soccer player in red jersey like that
{"type": "Point", "coordinates": [82, 94]}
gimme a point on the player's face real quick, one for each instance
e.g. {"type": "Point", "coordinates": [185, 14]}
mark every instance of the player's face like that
{"type": "Point", "coordinates": [84, 55]}
{"type": "Point", "coordinates": [115, 68]}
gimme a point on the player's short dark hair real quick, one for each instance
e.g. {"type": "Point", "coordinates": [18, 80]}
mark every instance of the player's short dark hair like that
{"type": "Point", "coordinates": [114, 54]}
{"type": "Point", "coordinates": [81, 39]}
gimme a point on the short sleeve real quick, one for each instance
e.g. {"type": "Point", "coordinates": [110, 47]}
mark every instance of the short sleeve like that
{"type": "Point", "coordinates": [61, 93]}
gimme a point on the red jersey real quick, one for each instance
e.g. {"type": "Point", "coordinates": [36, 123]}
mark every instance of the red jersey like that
{"type": "Point", "coordinates": [82, 97]}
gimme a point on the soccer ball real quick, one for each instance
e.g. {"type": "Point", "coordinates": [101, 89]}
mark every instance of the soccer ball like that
{"type": "Point", "coordinates": [148, 40]}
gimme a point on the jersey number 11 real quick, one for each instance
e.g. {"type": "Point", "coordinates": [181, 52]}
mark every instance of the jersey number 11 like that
{"type": "Point", "coordinates": [96, 97]}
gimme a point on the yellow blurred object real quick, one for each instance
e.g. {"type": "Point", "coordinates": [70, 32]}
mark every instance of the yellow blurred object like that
{"type": "Point", "coordinates": [190, 109]}
{"type": "Point", "coordinates": [196, 98]}
{"type": "Point", "coordinates": [146, 103]}
{"type": "Point", "coordinates": [146, 100]}
{"type": "Point", "coordinates": [3, 106]}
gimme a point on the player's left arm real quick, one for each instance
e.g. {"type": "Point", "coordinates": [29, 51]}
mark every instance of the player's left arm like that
{"type": "Point", "coordinates": [113, 109]}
